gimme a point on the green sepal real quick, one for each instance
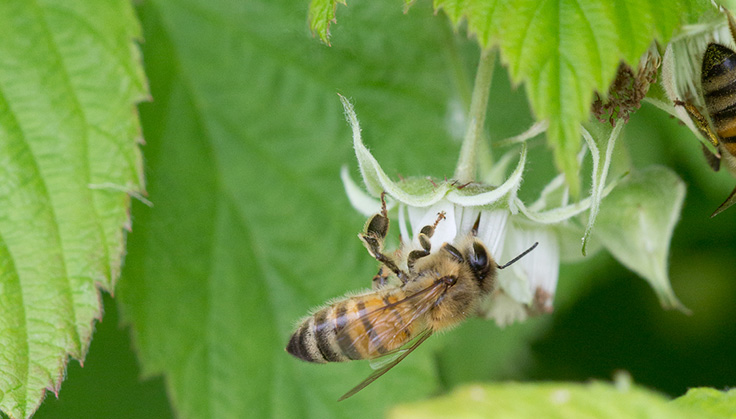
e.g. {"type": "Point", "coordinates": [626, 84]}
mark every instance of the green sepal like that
{"type": "Point", "coordinates": [636, 222]}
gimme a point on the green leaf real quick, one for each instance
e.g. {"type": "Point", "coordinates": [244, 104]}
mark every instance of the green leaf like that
{"type": "Point", "coordinates": [718, 403]}
{"type": "Point", "coordinates": [69, 80]}
{"type": "Point", "coordinates": [321, 15]}
{"type": "Point", "coordinates": [636, 222]}
{"type": "Point", "coordinates": [548, 400]}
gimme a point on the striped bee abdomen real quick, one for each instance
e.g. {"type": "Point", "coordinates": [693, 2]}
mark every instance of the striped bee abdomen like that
{"type": "Point", "coordinates": [315, 340]}
{"type": "Point", "coordinates": [362, 327]}
{"type": "Point", "coordinates": [718, 80]}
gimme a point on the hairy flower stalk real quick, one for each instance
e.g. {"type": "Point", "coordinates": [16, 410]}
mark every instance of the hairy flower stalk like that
{"type": "Point", "coordinates": [466, 166]}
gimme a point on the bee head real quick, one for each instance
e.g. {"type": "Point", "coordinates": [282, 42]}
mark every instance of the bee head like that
{"type": "Point", "coordinates": [481, 264]}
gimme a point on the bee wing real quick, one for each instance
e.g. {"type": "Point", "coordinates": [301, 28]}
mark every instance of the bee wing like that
{"type": "Point", "coordinates": [374, 376]}
{"type": "Point", "coordinates": [421, 301]}
{"type": "Point", "coordinates": [378, 363]}
{"type": "Point", "coordinates": [727, 203]}
{"type": "Point", "coordinates": [377, 328]}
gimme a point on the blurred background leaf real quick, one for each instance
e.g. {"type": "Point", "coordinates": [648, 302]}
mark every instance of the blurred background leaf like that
{"type": "Point", "coordinates": [549, 400]}
{"type": "Point", "coordinates": [250, 226]}
{"type": "Point", "coordinates": [720, 403]}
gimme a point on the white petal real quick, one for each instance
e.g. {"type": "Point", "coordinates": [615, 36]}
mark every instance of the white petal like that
{"type": "Point", "coordinates": [361, 201]}
{"type": "Point", "coordinates": [539, 270]}
{"type": "Point", "coordinates": [546, 271]}
{"type": "Point", "coordinates": [492, 230]}
{"type": "Point", "coordinates": [405, 236]}
{"type": "Point", "coordinates": [504, 310]}
{"type": "Point", "coordinates": [465, 219]}
{"type": "Point", "coordinates": [446, 229]}
{"type": "Point", "coordinates": [416, 215]}
{"type": "Point", "coordinates": [515, 285]}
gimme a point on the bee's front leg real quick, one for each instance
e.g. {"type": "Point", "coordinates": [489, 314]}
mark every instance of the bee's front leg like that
{"type": "Point", "coordinates": [424, 235]}
{"type": "Point", "coordinates": [373, 236]}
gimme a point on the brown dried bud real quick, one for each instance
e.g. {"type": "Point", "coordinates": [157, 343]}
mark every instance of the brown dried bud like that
{"type": "Point", "coordinates": [627, 90]}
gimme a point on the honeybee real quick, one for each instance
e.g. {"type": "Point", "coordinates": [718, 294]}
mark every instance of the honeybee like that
{"type": "Point", "coordinates": [437, 292]}
{"type": "Point", "coordinates": [718, 83]}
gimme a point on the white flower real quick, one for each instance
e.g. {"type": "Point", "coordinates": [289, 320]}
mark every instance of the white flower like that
{"type": "Point", "coordinates": [506, 225]}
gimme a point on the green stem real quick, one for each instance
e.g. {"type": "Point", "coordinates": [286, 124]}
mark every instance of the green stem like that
{"type": "Point", "coordinates": [467, 163]}
{"type": "Point", "coordinates": [457, 65]}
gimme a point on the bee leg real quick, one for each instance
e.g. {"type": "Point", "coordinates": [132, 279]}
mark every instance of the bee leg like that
{"type": "Point", "coordinates": [424, 241]}
{"type": "Point", "coordinates": [373, 236]}
{"type": "Point", "coordinates": [374, 248]}
{"type": "Point", "coordinates": [452, 250]}
{"type": "Point", "coordinates": [424, 235]}
{"type": "Point", "coordinates": [713, 160]}
{"type": "Point", "coordinates": [380, 279]}
{"type": "Point", "coordinates": [377, 225]}
{"type": "Point", "coordinates": [700, 121]}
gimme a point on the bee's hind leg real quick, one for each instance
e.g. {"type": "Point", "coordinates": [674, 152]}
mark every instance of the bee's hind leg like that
{"type": "Point", "coordinates": [373, 236]}
{"type": "Point", "coordinates": [424, 235]}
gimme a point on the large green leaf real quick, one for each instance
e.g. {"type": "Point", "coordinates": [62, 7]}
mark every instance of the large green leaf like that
{"type": "Point", "coordinates": [563, 51]}
{"type": "Point", "coordinates": [69, 81]}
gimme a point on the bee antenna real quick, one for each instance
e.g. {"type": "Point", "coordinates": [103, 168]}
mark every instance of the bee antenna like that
{"type": "Point", "coordinates": [516, 259]}
{"type": "Point", "coordinates": [474, 230]}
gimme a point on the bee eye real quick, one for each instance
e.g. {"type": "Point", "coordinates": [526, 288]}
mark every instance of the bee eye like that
{"type": "Point", "coordinates": [479, 258]}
